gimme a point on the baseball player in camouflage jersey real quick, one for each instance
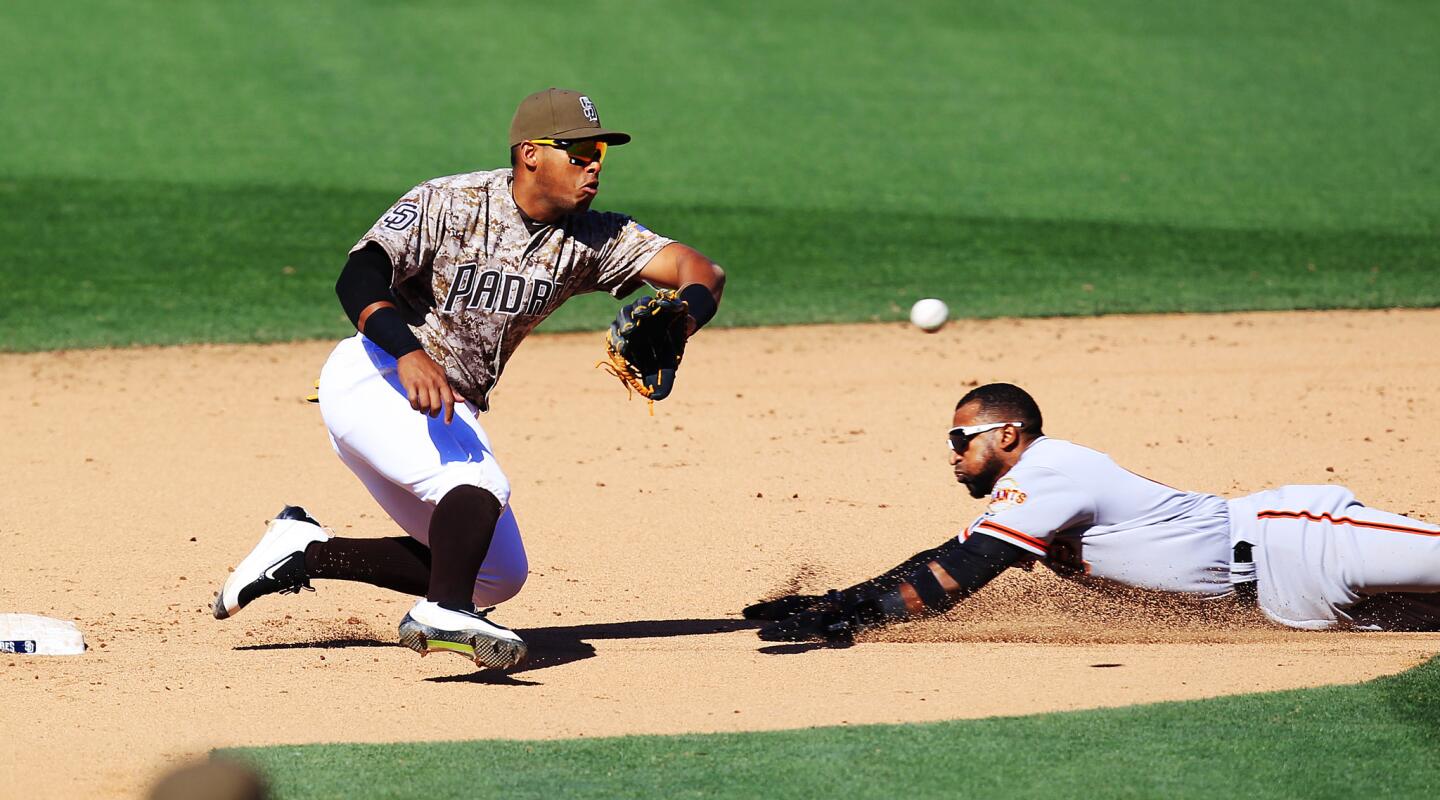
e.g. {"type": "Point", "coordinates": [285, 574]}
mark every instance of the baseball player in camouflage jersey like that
{"type": "Point", "coordinates": [1312, 557]}
{"type": "Point", "coordinates": [442, 289]}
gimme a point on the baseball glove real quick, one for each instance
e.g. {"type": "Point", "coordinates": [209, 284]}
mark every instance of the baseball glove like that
{"type": "Point", "coordinates": [646, 342]}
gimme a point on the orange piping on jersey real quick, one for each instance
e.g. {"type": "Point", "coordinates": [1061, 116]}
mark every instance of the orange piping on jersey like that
{"type": "Point", "coordinates": [1306, 515]}
{"type": "Point", "coordinates": [1014, 534]}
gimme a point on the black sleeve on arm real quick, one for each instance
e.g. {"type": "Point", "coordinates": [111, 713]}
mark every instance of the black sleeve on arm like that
{"type": "Point", "coordinates": [970, 564]}
{"type": "Point", "coordinates": [839, 615]}
{"type": "Point", "coordinates": [700, 303]}
{"type": "Point", "coordinates": [894, 577]}
{"type": "Point", "coordinates": [364, 282]}
{"type": "Point", "coordinates": [854, 597]}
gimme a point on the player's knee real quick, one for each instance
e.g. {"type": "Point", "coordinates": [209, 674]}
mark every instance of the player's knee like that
{"type": "Point", "coordinates": [471, 474]}
{"type": "Point", "coordinates": [492, 589]}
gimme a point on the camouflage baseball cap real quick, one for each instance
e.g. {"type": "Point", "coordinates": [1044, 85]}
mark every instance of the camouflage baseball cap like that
{"type": "Point", "coordinates": [560, 114]}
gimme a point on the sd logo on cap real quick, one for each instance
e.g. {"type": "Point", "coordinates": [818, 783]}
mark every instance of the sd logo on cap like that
{"type": "Point", "coordinates": [560, 114]}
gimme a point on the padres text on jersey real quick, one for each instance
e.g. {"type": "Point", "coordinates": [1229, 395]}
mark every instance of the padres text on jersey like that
{"type": "Point", "coordinates": [478, 279]}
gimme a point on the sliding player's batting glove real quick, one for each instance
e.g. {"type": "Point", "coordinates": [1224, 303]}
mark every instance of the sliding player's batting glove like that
{"type": "Point", "coordinates": [827, 624]}
{"type": "Point", "coordinates": [833, 617]}
{"type": "Point", "coordinates": [782, 607]}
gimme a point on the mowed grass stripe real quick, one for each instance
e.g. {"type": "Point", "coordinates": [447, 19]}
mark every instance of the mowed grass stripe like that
{"type": "Point", "coordinates": [1371, 739]}
{"type": "Point", "coordinates": [118, 263]}
{"type": "Point", "coordinates": [1291, 113]}
{"type": "Point", "coordinates": [163, 164]}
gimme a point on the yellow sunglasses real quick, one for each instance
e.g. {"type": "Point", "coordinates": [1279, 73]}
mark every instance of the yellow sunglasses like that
{"type": "Point", "coordinates": [581, 152]}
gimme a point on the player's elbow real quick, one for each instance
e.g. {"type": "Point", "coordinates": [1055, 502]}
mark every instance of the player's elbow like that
{"type": "Point", "coordinates": [717, 278]}
{"type": "Point", "coordinates": [694, 267]}
{"type": "Point", "coordinates": [346, 292]}
{"type": "Point", "coordinates": [707, 273]}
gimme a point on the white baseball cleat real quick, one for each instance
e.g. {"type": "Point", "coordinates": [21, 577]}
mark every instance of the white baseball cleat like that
{"type": "Point", "coordinates": [430, 628]}
{"type": "Point", "coordinates": [277, 564]}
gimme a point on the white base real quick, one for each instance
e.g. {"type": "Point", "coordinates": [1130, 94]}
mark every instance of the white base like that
{"type": "Point", "coordinates": [32, 634]}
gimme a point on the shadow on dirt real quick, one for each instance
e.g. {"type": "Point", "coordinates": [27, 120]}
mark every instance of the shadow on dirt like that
{"type": "Point", "coordinates": [549, 647]}
{"type": "Point", "coordinates": [566, 644]}
{"type": "Point", "coordinates": [319, 644]}
{"type": "Point", "coordinates": [803, 647]}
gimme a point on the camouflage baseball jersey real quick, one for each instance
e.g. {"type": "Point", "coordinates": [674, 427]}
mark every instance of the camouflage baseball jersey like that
{"type": "Point", "coordinates": [477, 280]}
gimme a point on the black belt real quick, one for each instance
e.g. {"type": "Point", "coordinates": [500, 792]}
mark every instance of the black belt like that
{"type": "Point", "coordinates": [1242, 571]}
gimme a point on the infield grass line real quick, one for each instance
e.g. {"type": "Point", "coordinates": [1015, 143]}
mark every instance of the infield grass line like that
{"type": "Point", "coordinates": [1371, 739]}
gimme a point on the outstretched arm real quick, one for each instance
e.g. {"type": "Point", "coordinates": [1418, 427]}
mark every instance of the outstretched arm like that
{"type": "Point", "coordinates": [779, 608]}
{"type": "Point", "coordinates": [928, 583]}
{"type": "Point", "coordinates": [699, 280]}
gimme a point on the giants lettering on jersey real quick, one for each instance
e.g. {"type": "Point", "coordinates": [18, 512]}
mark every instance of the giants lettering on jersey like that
{"type": "Point", "coordinates": [497, 291]}
{"type": "Point", "coordinates": [1006, 495]}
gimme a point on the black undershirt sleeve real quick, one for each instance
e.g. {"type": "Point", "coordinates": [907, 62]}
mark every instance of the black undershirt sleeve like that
{"type": "Point", "coordinates": [970, 564]}
{"type": "Point", "coordinates": [700, 302]}
{"type": "Point", "coordinates": [891, 579]}
{"type": "Point", "coordinates": [365, 280]}
{"type": "Point", "coordinates": [838, 615]}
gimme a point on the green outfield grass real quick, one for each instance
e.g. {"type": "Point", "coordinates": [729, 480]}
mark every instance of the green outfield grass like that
{"type": "Point", "coordinates": [1376, 739]}
{"type": "Point", "coordinates": [176, 172]}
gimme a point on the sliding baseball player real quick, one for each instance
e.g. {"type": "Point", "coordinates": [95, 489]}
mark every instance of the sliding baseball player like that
{"type": "Point", "coordinates": [1312, 557]}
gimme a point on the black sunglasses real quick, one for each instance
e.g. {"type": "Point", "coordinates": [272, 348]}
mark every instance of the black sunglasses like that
{"type": "Point", "coordinates": [581, 152]}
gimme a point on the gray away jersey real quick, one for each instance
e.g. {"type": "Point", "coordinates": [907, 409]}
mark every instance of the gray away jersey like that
{"type": "Point", "coordinates": [477, 281]}
{"type": "Point", "coordinates": [1088, 517]}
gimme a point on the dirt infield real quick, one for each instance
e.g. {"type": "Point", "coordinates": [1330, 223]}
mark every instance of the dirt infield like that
{"type": "Point", "coordinates": [802, 457]}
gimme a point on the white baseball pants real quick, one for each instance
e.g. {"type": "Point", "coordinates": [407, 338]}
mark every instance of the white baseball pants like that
{"type": "Point", "coordinates": [1324, 560]}
{"type": "Point", "coordinates": [408, 461]}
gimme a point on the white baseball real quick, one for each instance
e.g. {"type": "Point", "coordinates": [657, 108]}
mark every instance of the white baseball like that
{"type": "Point", "coordinates": [929, 315]}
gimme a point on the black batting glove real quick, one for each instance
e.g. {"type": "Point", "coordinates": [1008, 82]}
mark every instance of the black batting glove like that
{"type": "Point", "coordinates": [782, 607]}
{"type": "Point", "coordinates": [835, 617]}
{"type": "Point", "coordinates": [826, 625]}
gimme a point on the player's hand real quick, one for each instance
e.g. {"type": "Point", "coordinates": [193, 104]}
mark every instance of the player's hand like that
{"type": "Point", "coordinates": [822, 624]}
{"type": "Point", "coordinates": [426, 386]}
{"type": "Point", "coordinates": [781, 607]}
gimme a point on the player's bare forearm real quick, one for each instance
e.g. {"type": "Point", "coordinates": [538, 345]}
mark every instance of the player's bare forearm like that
{"type": "Point", "coordinates": [699, 280]}
{"type": "Point", "coordinates": [698, 269]}
{"type": "Point", "coordinates": [680, 265]}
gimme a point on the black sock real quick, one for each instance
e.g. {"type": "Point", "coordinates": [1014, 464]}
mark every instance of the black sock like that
{"type": "Point", "coordinates": [398, 563]}
{"type": "Point", "coordinates": [460, 534]}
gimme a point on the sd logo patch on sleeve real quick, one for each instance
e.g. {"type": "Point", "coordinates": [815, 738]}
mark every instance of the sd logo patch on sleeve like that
{"type": "Point", "coordinates": [402, 216]}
